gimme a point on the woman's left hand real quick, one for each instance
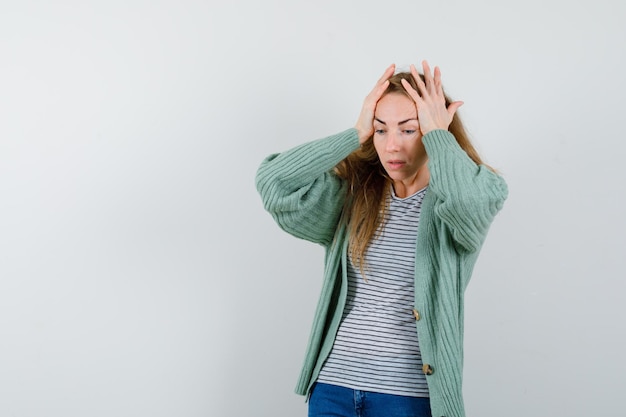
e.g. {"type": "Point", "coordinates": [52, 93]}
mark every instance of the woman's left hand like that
{"type": "Point", "coordinates": [431, 102]}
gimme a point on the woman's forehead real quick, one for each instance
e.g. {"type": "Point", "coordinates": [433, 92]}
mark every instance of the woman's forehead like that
{"type": "Point", "coordinates": [394, 108]}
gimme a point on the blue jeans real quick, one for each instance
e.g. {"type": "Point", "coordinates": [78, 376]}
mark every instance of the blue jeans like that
{"type": "Point", "coordinates": [335, 401]}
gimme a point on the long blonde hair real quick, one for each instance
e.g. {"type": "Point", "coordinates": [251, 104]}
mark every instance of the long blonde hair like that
{"type": "Point", "coordinates": [365, 206]}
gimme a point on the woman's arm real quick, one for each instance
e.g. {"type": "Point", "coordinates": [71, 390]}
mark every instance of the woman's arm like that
{"type": "Point", "coordinates": [469, 195]}
{"type": "Point", "coordinates": [300, 190]}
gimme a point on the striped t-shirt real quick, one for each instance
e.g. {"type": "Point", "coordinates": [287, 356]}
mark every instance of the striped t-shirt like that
{"type": "Point", "coordinates": [376, 348]}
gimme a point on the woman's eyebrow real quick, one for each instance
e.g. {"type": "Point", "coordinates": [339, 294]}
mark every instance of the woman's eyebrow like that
{"type": "Point", "coordinates": [400, 123]}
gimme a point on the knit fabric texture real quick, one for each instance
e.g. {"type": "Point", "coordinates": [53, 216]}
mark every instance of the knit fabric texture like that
{"type": "Point", "coordinates": [304, 196]}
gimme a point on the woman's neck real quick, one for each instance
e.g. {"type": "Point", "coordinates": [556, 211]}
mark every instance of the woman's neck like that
{"type": "Point", "coordinates": [408, 187]}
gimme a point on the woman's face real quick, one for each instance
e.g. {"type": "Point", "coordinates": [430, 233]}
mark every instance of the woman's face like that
{"type": "Point", "coordinates": [397, 137]}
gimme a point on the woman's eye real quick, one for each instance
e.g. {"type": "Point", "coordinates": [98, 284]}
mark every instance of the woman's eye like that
{"type": "Point", "coordinates": [379, 131]}
{"type": "Point", "coordinates": [409, 131]}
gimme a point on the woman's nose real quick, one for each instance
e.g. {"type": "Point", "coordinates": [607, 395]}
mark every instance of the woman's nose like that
{"type": "Point", "coordinates": [392, 142]}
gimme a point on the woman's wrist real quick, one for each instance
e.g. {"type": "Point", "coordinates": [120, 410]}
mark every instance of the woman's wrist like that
{"type": "Point", "coordinates": [363, 135]}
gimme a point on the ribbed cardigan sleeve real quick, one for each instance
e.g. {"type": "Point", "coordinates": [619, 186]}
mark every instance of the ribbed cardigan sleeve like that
{"type": "Point", "coordinates": [300, 190]}
{"type": "Point", "coordinates": [469, 195]}
{"type": "Point", "coordinates": [462, 200]}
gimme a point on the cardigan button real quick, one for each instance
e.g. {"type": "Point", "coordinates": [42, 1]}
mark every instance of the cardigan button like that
{"type": "Point", "coordinates": [427, 369]}
{"type": "Point", "coordinates": [416, 314]}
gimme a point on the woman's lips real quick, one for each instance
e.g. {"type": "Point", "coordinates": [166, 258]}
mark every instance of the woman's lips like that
{"type": "Point", "coordinates": [395, 164]}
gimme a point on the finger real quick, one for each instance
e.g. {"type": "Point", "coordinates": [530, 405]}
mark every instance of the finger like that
{"type": "Point", "coordinates": [438, 86]}
{"type": "Point", "coordinates": [453, 107]}
{"type": "Point", "coordinates": [381, 84]}
{"type": "Point", "coordinates": [409, 89]}
{"type": "Point", "coordinates": [428, 76]}
{"type": "Point", "coordinates": [380, 89]}
{"type": "Point", "coordinates": [387, 74]}
{"type": "Point", "coordinates": [418, 80]}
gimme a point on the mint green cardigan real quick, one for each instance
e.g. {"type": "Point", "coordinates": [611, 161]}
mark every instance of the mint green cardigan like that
{"type": "Point", "coordinates": [304, 196]}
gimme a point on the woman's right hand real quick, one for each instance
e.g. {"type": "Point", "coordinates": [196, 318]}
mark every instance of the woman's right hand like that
{"type": "Point", "coordinates": [365, 124]}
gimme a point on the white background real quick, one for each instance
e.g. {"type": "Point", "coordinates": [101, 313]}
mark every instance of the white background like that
{"type": "Point", "coordinates": [139, 274]}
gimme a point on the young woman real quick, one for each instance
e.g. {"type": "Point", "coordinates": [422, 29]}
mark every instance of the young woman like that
{"type": "Point", "coordinates": [402, 203]}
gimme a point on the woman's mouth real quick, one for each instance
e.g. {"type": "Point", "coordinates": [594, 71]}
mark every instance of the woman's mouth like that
{"type": "Point", "coordinates": [395, 164]}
